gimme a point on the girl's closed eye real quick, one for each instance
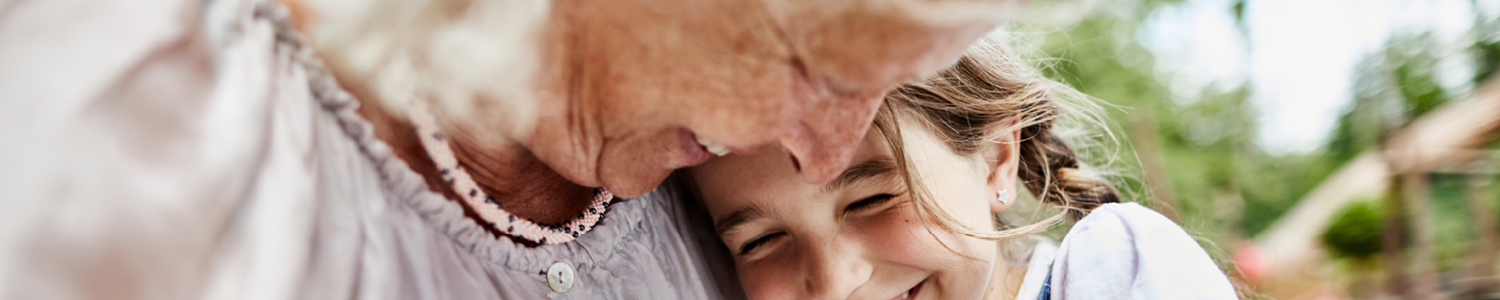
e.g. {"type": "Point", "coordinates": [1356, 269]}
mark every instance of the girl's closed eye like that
{"type": "Point", "coordinates": [869, 202]}
{"type": "Point", "coordinates": [758, 241]}
{"type": "Point", "coordinates": [865, 204]}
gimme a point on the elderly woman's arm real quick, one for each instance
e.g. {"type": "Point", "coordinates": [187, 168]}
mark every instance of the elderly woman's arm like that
{"type": "Point", "coordinates": [138, 152]}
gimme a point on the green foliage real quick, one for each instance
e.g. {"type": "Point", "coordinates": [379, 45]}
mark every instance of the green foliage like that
{"type": "Point", "coordinates": [1393, 88]}
{"type": "Point", "coordinates": [1489, 58]}
{"type": "Point", "coordinates": [1207, 140]}
{"type": "Point", "coordinates": [1277, 183]}
{"type": "Point", "coordinates": [1453, 228]}
{"type": "Point", "coordinates": [1356, 232]}
{"type": "Point", "coordinates": [1486, 47]}
{"type": "Point", "coordinates": [1223, 181]}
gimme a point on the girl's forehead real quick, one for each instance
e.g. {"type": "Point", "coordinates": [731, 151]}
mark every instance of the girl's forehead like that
{"type": "Point", "coordinates": [765, 169]}
{"type": "Point", "coordinates": [768, 178]}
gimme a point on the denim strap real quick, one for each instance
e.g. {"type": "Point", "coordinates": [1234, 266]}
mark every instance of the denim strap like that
{"type": "Point", "coordinates": [1046, 293]}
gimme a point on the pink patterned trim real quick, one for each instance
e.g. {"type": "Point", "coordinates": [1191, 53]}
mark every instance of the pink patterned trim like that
{"type": "Point", "coordinates": [497, 217]}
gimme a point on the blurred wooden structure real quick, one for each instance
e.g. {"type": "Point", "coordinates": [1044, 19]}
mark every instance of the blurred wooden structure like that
{"type": "Point", "coordinates": [1481, 273]}
{"type": "Point", "coordinates": [1441, 138]}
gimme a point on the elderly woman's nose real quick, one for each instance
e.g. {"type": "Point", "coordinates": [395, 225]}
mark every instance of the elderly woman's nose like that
{"type": "Point", "coordinates": [823, 139]}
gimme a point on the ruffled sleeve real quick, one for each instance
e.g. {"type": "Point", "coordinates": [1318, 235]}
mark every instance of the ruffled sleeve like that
{"type": "Point", "coordinates": [1126, 251]}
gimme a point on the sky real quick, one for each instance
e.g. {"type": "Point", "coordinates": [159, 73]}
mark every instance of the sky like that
{"type": "Point", "coordinates": [1299, 56]}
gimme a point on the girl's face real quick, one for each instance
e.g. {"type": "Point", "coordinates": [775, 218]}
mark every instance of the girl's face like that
{"type": "Point", "coordinates": [858, 236]}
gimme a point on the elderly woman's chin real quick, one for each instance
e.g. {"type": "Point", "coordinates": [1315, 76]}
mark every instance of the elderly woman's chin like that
{"type": "Point", "coordinates": [629, 165]}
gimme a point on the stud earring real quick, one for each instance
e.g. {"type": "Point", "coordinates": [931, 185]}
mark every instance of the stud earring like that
{"type": "Point", "coordinates": [1004, 197]}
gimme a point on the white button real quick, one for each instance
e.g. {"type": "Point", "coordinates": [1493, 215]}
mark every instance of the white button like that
{"type": "Point", "coordinates": [560, 277]}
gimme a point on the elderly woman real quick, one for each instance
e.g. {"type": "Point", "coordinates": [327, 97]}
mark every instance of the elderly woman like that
{"type": "Point", "coordinates": [393, 149]}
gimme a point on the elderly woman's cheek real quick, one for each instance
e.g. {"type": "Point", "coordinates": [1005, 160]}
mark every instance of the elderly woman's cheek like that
{"type": "Point", "coordinates": [719, 68]}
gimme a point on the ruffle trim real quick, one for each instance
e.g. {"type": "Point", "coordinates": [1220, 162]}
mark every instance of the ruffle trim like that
{"type": "Point", "coordinates": [400, 181]}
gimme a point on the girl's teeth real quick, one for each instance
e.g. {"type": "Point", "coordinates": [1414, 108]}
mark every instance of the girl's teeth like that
{"type": "Point", "coordinates": [905, 295]}
{"type": "Point", "coordinates": [715, 148]}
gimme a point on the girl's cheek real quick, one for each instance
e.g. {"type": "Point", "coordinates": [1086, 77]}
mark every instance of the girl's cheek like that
{"type": "Point", "coordinates": [768, 279]}
{"type": "Point", "coordinates": [916, 242]}
{"type": "Point", "coordinates": [898, 234]}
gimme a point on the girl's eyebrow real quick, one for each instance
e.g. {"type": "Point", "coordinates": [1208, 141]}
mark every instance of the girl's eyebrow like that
{"type": "Point", "coordinates": [875, 167]}
{"type": "Point", "coordinates": [738, 218]}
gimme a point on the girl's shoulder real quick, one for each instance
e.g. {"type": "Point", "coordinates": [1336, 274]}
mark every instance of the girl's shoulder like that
{"type": "Point", "coordinates": [1128, 225]}
{"type": "Point", "coordinates": [1131, 215]}
{"type": "Point", "coordinates": [1127, 251]}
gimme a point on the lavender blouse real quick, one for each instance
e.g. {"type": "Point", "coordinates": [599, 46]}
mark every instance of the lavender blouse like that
{"type": "Point", "coordinates": [180, 149]}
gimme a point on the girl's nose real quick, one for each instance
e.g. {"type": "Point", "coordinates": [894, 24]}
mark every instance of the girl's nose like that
{"type": "Point", "coordinates": [834, 269]}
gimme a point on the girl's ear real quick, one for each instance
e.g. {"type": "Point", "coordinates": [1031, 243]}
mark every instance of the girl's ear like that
{"type": "Point", "coordinates": [1002, 156]}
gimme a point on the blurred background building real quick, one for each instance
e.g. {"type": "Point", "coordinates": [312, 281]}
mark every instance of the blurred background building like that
{"type": "Point", "coordinates": [1323, 149]}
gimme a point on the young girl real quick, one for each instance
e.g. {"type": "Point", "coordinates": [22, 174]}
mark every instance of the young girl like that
{"type": "Point", "coordinates": [915, 214]}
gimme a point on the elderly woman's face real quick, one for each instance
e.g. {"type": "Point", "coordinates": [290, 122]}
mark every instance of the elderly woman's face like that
{"type": "Point", "coordinates": [644, 85]}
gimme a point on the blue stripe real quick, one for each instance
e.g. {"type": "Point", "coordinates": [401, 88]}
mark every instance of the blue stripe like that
{"type": "Point", "coordinates": [1046, 286]}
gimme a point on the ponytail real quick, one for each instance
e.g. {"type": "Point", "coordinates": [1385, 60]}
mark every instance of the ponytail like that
{"type": "Point", "coordinates": [1050, 167]}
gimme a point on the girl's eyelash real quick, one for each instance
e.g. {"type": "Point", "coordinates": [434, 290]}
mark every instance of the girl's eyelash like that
{"type": "Point", "coordinates": [862, 204]}
{"type": "Point", "coordinates": [756, 242]}
{"type": "Point", "coordinates": [868, 202]}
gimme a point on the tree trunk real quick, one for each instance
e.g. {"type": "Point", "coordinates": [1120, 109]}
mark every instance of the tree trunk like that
{"type": "Point", "coordinates": [1391, 239]}
{"type": "Point", "coordinates": [1482, 257]}
{"type": "Point", "coordinates": [1424, 281]}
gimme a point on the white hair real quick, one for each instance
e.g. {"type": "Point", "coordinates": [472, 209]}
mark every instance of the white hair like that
{"type": "Point", "coordinates": [452, 53]}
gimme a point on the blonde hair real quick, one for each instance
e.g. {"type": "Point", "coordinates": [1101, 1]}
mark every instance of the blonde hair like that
{"type": "Point", "coordinates": [989, 93]}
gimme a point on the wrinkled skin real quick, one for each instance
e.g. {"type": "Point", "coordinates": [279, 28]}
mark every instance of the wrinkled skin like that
{"type": "Point", "coordinates": [627, 84]}
{"type": "Point", "coordinates": [622, 89]}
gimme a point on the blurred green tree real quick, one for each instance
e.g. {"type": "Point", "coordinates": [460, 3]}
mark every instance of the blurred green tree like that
{"type": "Point", "coordinates": [1206, 141]}
{"type": "Point", "coordinates": [1355, 232]}
{"type": "Point", "coordinates": [1225, 185]}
